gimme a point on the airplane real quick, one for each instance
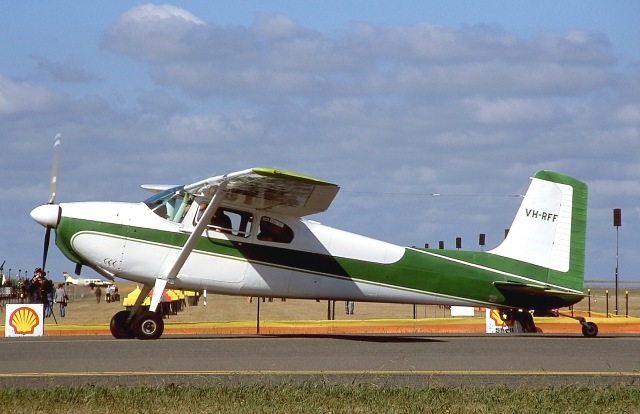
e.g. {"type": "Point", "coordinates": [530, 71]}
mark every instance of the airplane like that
{"type": "Point", "coordinates": [85, 282]}
{"type": "Point", "coordinates": [272, 250]}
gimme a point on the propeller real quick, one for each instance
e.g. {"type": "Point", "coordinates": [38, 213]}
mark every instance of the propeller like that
{"type": "Point", "coordinates": [53, 186]}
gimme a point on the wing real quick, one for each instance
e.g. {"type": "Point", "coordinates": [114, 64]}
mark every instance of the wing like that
{"type": "Point", "coordinates": [270, 189]}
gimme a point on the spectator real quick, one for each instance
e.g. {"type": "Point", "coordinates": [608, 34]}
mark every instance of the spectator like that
{"type": "Point", "coordinates": [348, 307]}
{"type": "Point", "coordinates": [61, 298]}
{"type": "Point", "coordinates": [47, 296]}
{"type": "Point", "coordinates": [35, 287]}
{"type": "Point", "coordinates": [98, 293]}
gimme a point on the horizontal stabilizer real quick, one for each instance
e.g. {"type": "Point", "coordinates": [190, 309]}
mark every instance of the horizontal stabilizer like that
{"type": "Point", "coordinates": [527, 296]}
{"type": "Point", "coordinates": [156, 188]}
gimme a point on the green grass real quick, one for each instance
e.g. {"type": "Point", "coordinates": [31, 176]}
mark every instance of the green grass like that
{"type": "Point", "coordinates": [320, 398]}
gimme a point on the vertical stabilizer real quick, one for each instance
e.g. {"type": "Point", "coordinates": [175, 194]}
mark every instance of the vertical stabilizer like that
{"type": "Point", "coordinates": [549, 229]}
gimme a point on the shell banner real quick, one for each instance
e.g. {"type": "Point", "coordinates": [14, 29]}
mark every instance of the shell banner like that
{"type": "Point", "coordinates": [495, 324]}
{"type": "Point", "coordinates": [24, 320]}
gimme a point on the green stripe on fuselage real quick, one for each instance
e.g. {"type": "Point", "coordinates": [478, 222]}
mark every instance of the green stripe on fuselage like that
{"type": "Point", "coordinates": [447, 273]}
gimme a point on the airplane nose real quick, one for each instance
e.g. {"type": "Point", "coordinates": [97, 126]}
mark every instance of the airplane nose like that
{"type": "Point", "coordinates": [48, 215]}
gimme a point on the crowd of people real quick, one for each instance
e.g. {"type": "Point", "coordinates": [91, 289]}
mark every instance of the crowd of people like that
{"type": "Point", "coordinates": [111, 294]}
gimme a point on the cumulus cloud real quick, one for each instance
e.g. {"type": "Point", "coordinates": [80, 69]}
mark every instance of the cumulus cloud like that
{"type": "Point", "coordinates": [153, 32]}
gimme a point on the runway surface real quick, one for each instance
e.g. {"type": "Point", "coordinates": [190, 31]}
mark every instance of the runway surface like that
{"type": "Point", "coordinates": [410, 360]}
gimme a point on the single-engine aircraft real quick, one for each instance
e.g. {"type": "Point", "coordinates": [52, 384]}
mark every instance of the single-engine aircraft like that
{"type": "Point", "coordinates": [243, 233]}
{"type": "Point", "coordinates": [85, 282]}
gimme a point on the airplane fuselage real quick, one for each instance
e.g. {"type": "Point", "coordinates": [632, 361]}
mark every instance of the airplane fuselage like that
{"type": "Point", "coordinates": [130, 241]}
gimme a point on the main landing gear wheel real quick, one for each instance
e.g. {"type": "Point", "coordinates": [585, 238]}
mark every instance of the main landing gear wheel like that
{"type": "Point", "coordinates": [148, 325]}
{"type": "Point", "coordinates": [119, 327]}
{"type": "Point", "coordinates": [589, 329]}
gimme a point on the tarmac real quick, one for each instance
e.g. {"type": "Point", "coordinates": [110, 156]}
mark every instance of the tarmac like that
{"type": "Point", "coordinates": [561, 325]}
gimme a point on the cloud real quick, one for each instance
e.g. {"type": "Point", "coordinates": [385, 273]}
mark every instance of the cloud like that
{"type": "Point", "coordinates": [65, 73]}
{"type": "Point", "coordinates": [277, 57]}
{"type": "Point", "coordinates": [156, 33]}
{"type": "Point", "coordinates": [25, 97]}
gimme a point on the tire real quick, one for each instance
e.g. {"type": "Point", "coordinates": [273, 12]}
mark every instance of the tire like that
{"type": "Point", "coordinates": [590, 330]}
{"type": "Point", "coordinates": [148, 325]}
{"type": "Point", "coordinates": [119, 327]}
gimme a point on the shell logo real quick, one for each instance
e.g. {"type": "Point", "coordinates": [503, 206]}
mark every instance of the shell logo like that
{"type": "Point", "coordinates": [24, 321]}
{"type": "Point", "coordinates": [497, 319]}
{"type": "Point", "coordinates": [495, 316]}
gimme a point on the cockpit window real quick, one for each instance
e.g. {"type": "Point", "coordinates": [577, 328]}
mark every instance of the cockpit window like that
{"type": "Point", "coordinates": [169, 204]}
{"type": "Point", "coordinates": [228, 221]}
{"type": "Point", "coordinates": [274, 230]}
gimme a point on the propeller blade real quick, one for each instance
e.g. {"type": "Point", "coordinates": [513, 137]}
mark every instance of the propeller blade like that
{"type": "Point", "coordinates": [53, 188]}
{"type": "Point", "coordinates": [53, 185]}
{"type": "Point", "coordinates": [45, 249]}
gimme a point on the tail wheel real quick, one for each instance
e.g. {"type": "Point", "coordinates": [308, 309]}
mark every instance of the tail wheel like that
{"type": "Point", "coordinates": [148, 325]}
{"type": "Point", "coordinates": [119, 327]}
{"type": "Point", "coordinates": [589, 329]}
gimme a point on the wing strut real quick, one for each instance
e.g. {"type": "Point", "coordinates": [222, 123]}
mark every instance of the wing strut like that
{"type": "Point", "coordinates": [161, 281]}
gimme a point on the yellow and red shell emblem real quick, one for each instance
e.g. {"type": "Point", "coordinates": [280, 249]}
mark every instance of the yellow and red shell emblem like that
{"type": "Point", "coordinates": [24, 321]}
{"type": "Point", "coordinates": [497, 319]}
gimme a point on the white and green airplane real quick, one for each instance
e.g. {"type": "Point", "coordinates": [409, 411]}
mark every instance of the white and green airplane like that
{"type": "Point", "coordinates": [243, 233]}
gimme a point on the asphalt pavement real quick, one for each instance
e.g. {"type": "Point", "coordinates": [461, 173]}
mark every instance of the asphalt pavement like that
{"type": "Point", "coordinates": [402, 360]}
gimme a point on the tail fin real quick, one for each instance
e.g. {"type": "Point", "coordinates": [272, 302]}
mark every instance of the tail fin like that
{"type": "Point", "coordinates": [549, 229]}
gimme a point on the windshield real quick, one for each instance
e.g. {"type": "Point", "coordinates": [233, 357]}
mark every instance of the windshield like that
{"type": "Point", "coordinates": [169, 204]}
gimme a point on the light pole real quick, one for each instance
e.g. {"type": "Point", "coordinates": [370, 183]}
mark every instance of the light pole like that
{"type": "Point", "coordinates": [617, 222]}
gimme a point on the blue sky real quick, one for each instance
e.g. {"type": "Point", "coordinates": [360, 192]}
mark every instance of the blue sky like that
{"type": "Point", "coordinates": [392, 101]}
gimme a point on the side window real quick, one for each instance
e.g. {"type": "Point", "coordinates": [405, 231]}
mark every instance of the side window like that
{"type": "Point", "coordinates": [229, 221]}
{"type": "Point", "coordinates": [274, 230]}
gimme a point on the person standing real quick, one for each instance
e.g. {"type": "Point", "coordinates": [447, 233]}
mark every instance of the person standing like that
{"type": "Point", "coordinates": [34, 288]}
{"type": "Point", "coordinates": [348, 307]}
{"type": "Point", "coordinates": [47, 296]}
{"type": "Point", "coordinates": [98, 293]}
{"type": "Point", "coordinates": [61, 299]}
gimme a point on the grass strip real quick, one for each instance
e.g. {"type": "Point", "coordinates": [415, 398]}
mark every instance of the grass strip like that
{"type": "Point", "coordinates": [319, 398]}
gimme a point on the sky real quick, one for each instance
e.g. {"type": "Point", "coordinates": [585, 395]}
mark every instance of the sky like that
{"type": "Point", "coordinates": [393, 101]}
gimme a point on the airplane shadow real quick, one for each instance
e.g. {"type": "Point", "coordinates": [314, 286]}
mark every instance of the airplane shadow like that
{"type": "Point", "coordinates": [373, 338]}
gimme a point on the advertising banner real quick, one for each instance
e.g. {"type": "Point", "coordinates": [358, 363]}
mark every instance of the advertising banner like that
{"type": "Point", "coordinates": [24, 320]}
{"type": "Point", "coordinates": [495, 324]}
